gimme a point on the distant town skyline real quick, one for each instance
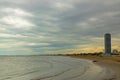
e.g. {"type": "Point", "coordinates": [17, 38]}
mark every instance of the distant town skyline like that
{"type": "Point", "coordinates": [29, 27]}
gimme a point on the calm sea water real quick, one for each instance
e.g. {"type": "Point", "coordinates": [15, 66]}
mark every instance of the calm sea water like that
{"type": "Point", "coordinates": [48, 68]}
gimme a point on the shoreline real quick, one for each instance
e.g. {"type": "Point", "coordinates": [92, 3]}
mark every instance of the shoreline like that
{"type": "Point", "coordinates": [109, 63]}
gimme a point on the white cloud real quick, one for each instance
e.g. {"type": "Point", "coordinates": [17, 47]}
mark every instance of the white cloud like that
{"type": "Point", "coordinates": [83, 24]}
{"type": "Point", "coordinates": [24, 43]}
{"type": "Point", "coordinates": [11, 35]}
{"type": "Point", "coordinates": [47, 17]}
{"type": "Point", "coordinates": [16, 11]}
{"type": "Point", "coordinates": [16, 1]}
{"type": "Point", "coordinates": [39, 44]}
{"type": "Point", "coordinates": [93, 19]}
{"type": "Point", "coordinates": [17, 22]}
{"type": "Point", "coordinates": [63, 6]}
{"type": "Point", "coordinates": [2, 29]}
{"type": "Point", "coordinates": [16, 18]}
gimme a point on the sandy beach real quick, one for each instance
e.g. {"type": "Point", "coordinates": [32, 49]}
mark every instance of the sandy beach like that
{"type": "Point", "coordinates": [110, 63]}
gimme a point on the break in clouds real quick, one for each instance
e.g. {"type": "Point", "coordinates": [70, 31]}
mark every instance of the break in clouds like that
{"type": "Point", "coordinates": [57, 26]}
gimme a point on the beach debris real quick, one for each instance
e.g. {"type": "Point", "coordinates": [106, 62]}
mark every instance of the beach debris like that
{"type": "Point", "coordinates": [95, 61]}
{"type": "Point", "coordinates": [118, 61]}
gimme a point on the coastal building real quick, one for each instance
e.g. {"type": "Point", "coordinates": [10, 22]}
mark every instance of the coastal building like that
{"type": "Point", "coordinates": [107, 38]}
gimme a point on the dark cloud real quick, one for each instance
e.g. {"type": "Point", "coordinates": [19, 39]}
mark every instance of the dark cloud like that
{"type": "Point", "coordinates": [52, 25]}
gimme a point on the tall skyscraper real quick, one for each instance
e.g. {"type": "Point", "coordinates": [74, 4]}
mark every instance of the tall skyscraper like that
{"type": "Point", "coordinates": [107, 43]}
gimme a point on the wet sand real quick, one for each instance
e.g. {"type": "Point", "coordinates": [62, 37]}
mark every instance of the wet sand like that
{"type": "Point", "coordinates": [110, 63]}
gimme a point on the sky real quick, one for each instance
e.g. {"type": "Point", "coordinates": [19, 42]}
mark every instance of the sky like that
{"type": "Point", "coordinates": [29, 27]}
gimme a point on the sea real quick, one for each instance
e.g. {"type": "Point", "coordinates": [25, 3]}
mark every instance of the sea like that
{"type": "Point", "coordinates": [49, 68]}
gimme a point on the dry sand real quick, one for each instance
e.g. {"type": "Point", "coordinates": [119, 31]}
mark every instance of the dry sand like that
{"type": "Point", "coordinates": [108, 62]}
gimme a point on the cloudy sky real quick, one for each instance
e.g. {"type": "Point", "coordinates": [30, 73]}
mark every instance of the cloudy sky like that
{"type": "Point", "coordinates": [57, 26]}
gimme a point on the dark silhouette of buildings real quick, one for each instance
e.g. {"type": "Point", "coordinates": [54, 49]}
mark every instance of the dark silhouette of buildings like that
{"type": "Point", "coordinates": [107, 38]}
